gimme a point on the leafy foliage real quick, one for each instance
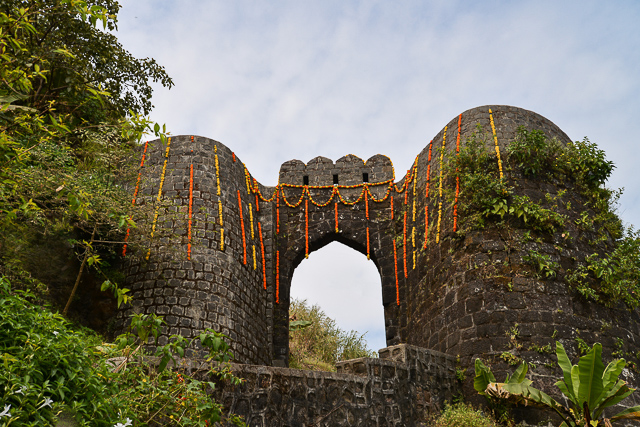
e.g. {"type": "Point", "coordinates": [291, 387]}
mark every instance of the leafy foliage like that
{"type": "Point", "coordinates": [612, 277]}
{"type": "Point", "coordinates": [50, 367]}
{"type": "Point", "coordinates": [317, 343]}
{"type": "Point", "coordinates": [589, 387]}
{"type": "Point", "coordinates": [71, 100]}
{"type": "Point", "coordinates": [462, 415]}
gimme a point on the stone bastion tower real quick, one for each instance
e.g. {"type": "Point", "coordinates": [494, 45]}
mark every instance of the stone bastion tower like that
{"type": "Point", "coordinates": [223, 247]}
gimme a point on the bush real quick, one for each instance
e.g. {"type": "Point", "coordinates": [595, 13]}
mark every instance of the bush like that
{"type": "Point", "coordinates": [318, 345]}
{"type": "Point", "coordinates": [50, 367]}
{"type": "Point", "coordinates": [463, 415]}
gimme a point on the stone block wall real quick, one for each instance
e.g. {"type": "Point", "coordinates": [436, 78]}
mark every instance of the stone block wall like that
{"type": "Point", "coordinates": [462, 295]}
{"type": "Point", "coordinates": [404, 387]}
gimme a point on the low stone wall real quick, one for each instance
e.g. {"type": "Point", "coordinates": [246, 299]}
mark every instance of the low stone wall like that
{"type": "Point", "coordinates": [402, 388]}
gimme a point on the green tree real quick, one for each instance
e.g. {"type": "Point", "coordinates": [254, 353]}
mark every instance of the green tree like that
{"type": "Point", "coordinates": [72, 106]}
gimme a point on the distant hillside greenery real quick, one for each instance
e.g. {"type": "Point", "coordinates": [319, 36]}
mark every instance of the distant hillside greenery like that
{"type": "Point", "coordinates": [72, 101]}
{"type": "Point", "coordinates": [316, 343]}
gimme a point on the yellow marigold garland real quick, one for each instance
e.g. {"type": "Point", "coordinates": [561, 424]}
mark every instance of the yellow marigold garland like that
{"type": "Point", "coordinates": [215, 150]}
{"type": "Point", "coordinates": [135, 195]}
{"type": "Point", "coordinates": [221, 225]}
{"type": "Point", "coordinates": [404, 244]}
{"type": "Point", "coordinates": [244, 240]}
{"type": "Point", "coordinates": [155, 215]}
{"type": "Point", "coordinates": [444, 137]}
{"type": "Point", "coordinates": [253, 250]}
{"type": "Point", "coordinates": [495, 140]}
{"type": "Point", "coordinates": [455, 203]}
{"type": "Point", "coordinates": [264, 268]}
{"type": "Point", "coordinates": [251, 220]}
{"type": "Point", "coordinates": [278, 211]}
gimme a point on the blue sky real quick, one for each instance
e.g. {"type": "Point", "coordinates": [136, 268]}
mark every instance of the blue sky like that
{"type": "Point", "coordinates": [296, 79]}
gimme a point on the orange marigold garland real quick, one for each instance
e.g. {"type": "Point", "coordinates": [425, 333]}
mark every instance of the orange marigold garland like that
{"type": "Point", "coordinates": [306, 228]}
{"type": "Point", "coordinates": [395, 266]}
{"type": "Point", "coordinates": [368, 253]}
{"type": "Point", "coordinates": [336, 210]}
{"type": "Point", "coordinates": [444, 137]}
{"type": "Point", "coordinates": [234, 157]}
{"type": "Point", "coordinates": [495, 140]}
{"type": "Point", "coordinates": [277, 277]}
{"type": "Point", "coordinates": [366, 205]}
{"type": "Point", "coordinates": [190, 212]}
{"type": "Point", "coordinates": [391, 203]}
{"type": "Point", "coordinates": [135, 195]}
{"type": "Point", "coordinates": [244, 240]}
{"type": "Point", "coordinates": [455, 203]}
{"type": "Point", "coordinates": [404, 242]}
{"type": "Point", "coordinates": [155, 215]}
{"type": "Point", "coordinates": [264, 268]}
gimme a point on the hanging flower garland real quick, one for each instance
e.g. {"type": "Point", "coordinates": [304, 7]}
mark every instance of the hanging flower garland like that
{"type": "Point", "coordinates": [247, 178]}
{"type": "Point", "coordinates": [495, 140]}
{"type": "Point", "coordinates": [413, 243]}
{"type": "Point", "coordinates": [257, 204]}
{"type": "Point", "coordinates": [391, 206]}
{"type": "Point", "coordinates": [251, 220]}
{"type": "Point", "coordinates": [292, 205]}
{"type": "Point", "coordinates": [277, 277]}
{"type": "Point", "coordinates": [233, 155]}
{"type": "Point", "coordinates": [306, 228]}
{"type": "Point", "coordinates": [190, 211]}
{"type": "Point", "coordinates": [278, 211]}
{"type": "Point", "coordinates": [444, 137]}
{"type": "Point", "coordinates": [395, 267]}
{"type": "Point", "coordinates": [404, 244]}
{"type": "Point", "coordinates": [264, 268]}
{"type": "Point", "coordinates": [455, 203]}
{"type": "Point", "coordinates": [159, 197]}
{"type": "Point", "coordinates": [253, 250]}
{"type": "Point", "coordinates": [382, 199]}
{"type": "Point", "coordinates": [135, 195]}
{"type": "Point", "coordinates": [215, 150]}
{"type": "Point", "coordinates": [426, 225]}
{"type": "Point", "coordinates": [426, 195]}
{"type": "Point", "coordinates": [368, 253]}
{"type": "Point", "coordinates": [221, 225]}
{"type": "Point", "coordinates": [336, 210]}
{"type": "Point", "coordinates": [244, 240]}
{"type": "Point", "coordinates": [334, 190]}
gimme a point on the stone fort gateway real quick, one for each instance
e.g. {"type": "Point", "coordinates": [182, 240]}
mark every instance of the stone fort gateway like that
{"type": "Point", "coordinates": [223, 248]}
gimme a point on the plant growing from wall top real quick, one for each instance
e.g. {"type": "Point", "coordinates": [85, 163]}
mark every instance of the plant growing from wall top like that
{"type": "Point", "coordinates": [589, 387]}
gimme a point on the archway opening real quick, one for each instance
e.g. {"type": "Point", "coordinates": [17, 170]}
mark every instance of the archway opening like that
{"type": "Point", "coordinates": [347, 287]}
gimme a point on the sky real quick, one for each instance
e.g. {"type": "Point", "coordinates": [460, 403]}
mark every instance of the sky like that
{"type": "Point", "coordinates": [282, 80]}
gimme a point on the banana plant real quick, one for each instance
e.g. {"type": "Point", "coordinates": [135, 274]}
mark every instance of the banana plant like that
{"type": "Point", "coordinates": [589, 386]}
